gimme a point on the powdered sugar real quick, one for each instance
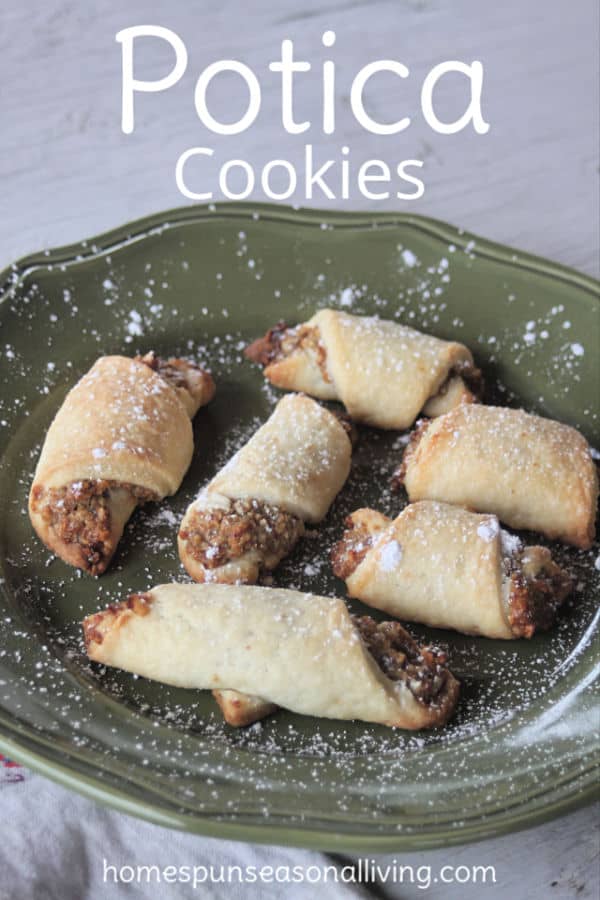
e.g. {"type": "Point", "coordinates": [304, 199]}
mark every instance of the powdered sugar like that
{"type": "Point", "coordinates": [488, 530]}
{"type": "Point", "coordinates": [409, 259]}
{"type": "Point", "coordinates": [510, 543]}
{"type": "Point", "coordinates": [390, 556]}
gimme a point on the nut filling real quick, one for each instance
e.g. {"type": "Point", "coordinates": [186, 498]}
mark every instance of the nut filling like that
{"type": "Point", "coordinates": [400, 658]}
{"type": "Point", "coordinates": [348, 553]}
{"type": "Point", "coordinates": [175, 371]}
{"type": "Point", "coordinates": [216, 536]}
{"type": "Point", "coordinates": [533, 601]}
{"type": "Point", "coordinates": [79, 513]}
{"type": "Point", "coordinates": [471, 376]}
{"type": "Point", "coordinates": [281, 341]}
{"type": "Point", "coordinates": [397, 480]}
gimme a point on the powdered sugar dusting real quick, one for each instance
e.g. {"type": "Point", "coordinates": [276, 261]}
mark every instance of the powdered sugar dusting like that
{"type": "Point", "coordinates": [409, 258]}
{"type": "Point", "coordinates": [488, 530]}
{"type": "Point", "coordinates": [390, 556]}
{"type": "Point", "coordinates": [510, 543]}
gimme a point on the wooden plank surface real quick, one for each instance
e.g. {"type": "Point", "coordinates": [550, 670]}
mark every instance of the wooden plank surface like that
{"type": "Point", "coordinates": [67, 172]}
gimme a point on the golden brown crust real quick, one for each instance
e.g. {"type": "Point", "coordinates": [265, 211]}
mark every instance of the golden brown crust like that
{"type": "Point", "coordinates": [443, 566]}
{"type": "Point", "coordinates": [122, 437]}
{"type": "Point", "coordinates": [362, 528]}
{"type": "Point", "coordinates": [240, 709]}
{"type": "Point", "coordinates": [532, 472]}
{"type": "Point", "coordinates": [281, 341]}
{"type": "Point", "coordinates": [464, 384]}
{"type": "Point", "coordinates": [303, 652]}
{"type": "Point", "coordinates": [348, 553]}
{"type": "Point", "coordinates": [383, 372]}
{"type": "Point", "coordinates": [195, 386]}
{"type": "Point", "coordinates": [421, 668]}
{"type": "Point", "coordinates": [295, 359]}
{"type": "Point", "coordinates": [253, 511]}
{"type": "Point", "coordinates": [96, 626]}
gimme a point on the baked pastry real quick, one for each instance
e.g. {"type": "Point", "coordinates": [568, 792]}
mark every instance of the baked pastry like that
{"type": "Point", "coordinates": [240, 709]}
{"type": "Point", "coordinates": [384, 373]}
{"type": "Point", "coordinates": [122, 437]}
{"type": "Point", "coordinates": [299, 651]}
{"type": "Point", "coordinates": [449, 568]}
{"type": "Point", "coordinates": [531, 472]}
{"type": "Point", "coordinates": [253, 511]}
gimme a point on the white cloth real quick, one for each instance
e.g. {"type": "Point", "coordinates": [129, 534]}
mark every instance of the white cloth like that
{"type": "Point", "coordinates": [53, 844]}
{"type": "Point", "coordinates": [57, 845]}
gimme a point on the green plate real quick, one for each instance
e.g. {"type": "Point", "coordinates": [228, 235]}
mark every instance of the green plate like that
{"type": "Point", "coordinates": [203, 281]}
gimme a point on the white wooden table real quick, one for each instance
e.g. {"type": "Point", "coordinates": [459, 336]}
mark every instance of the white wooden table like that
{"type": "Point", "coordinates": [68, 172]}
